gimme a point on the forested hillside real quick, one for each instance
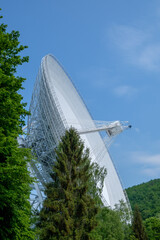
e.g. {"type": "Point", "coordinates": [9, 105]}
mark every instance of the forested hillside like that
{"type": "Point", "coordinates": [147, 197]}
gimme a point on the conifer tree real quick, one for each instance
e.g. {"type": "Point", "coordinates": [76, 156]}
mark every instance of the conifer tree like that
{"type": "Point", "coordinates": [15, 208]}
{"type": "Point", "coordinates": [137, 225]}
{"type": "Point", "coordinates": [69, 209]}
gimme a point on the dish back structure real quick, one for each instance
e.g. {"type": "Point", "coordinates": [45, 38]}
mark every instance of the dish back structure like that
{"type": "Point", "coordinates": [56, 106]}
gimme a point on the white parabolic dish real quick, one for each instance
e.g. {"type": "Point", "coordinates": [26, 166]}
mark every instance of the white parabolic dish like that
{"type": "Point", "coordinates": [56, 88]}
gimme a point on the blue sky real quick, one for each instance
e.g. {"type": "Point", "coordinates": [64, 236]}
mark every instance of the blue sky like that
{"type": "Point", "coordinates": [111, 50]}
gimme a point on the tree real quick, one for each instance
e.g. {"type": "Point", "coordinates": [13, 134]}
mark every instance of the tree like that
{"type": "Point", "coordinates": [137, 225]}
{"type": "Point", "coordinates": [69, 209]}
{"type": "Point", "coordinates": [96, 183]}
{"type": "Point", "coordinates": [109, 225]}
{"type": "Point", "coordinates": [15, 208]}
{"type": "Point", "coordinates": [153, 228]}
{"type": "Point", "coordinates": [146, 196]}
{"type": "Point", "coordinates": [125, 214]}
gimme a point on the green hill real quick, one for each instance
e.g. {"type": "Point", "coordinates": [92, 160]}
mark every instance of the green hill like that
{"type": "Point", "coordinates": [147, 197]}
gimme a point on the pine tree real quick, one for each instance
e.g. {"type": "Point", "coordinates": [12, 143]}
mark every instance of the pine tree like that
{"type": "Point", "coordinates": [69, 209]}
{"type": "Point", "coordinates": [137, 225]}
{"type": "Point", "coordinates": [15, 208]}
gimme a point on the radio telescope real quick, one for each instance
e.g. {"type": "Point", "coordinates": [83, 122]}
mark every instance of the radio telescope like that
{"type": "Point", "coordinates": [56, 106]}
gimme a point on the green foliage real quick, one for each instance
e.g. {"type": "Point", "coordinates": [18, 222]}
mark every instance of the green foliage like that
{"type": "Point", "coordinates": [137, 225]}
{"type": "Point", "coordinates": [14, 177]}
{"type": "Point", "coordinates": [131, 237]}
{"type": "Point", "coordinates": [123, 212]}
{"type": "Point", "coordinates": [146, 196]}
{"type": "Point", "coordinates": [69, 209]}
{"type": "Point", "coordinates": [14, 194]}
{"type": "Point", "coordinates": [96, 182]}
{"type": "Point", "coordinates": [109, 226]}
{"type": "Point", "coordinates": [153, 228]}
{"type": "Point", "coordinates": [125, 217]}
{"type": "Point", "coordinates": [12, 110]}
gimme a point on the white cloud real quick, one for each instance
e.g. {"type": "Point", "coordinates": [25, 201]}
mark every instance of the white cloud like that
{"type": "Point", "coordinates": [125, 91]}
{"type": "Point", "coordinates": [149, 165]}
{"type": "Point", "coordinates": [137, 46]}
{"type": "Point", "coordinates": [150, 57]}
{"type": "Point", "coordinates": [127, 38]}
{"type": "Point", "coordinates": [151, 172]}
{"type": "Point", "coordinates": [153, 160]}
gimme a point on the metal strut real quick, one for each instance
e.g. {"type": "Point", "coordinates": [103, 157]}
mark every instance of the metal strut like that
{"type": "Point", "coordinates": [111, 128]}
